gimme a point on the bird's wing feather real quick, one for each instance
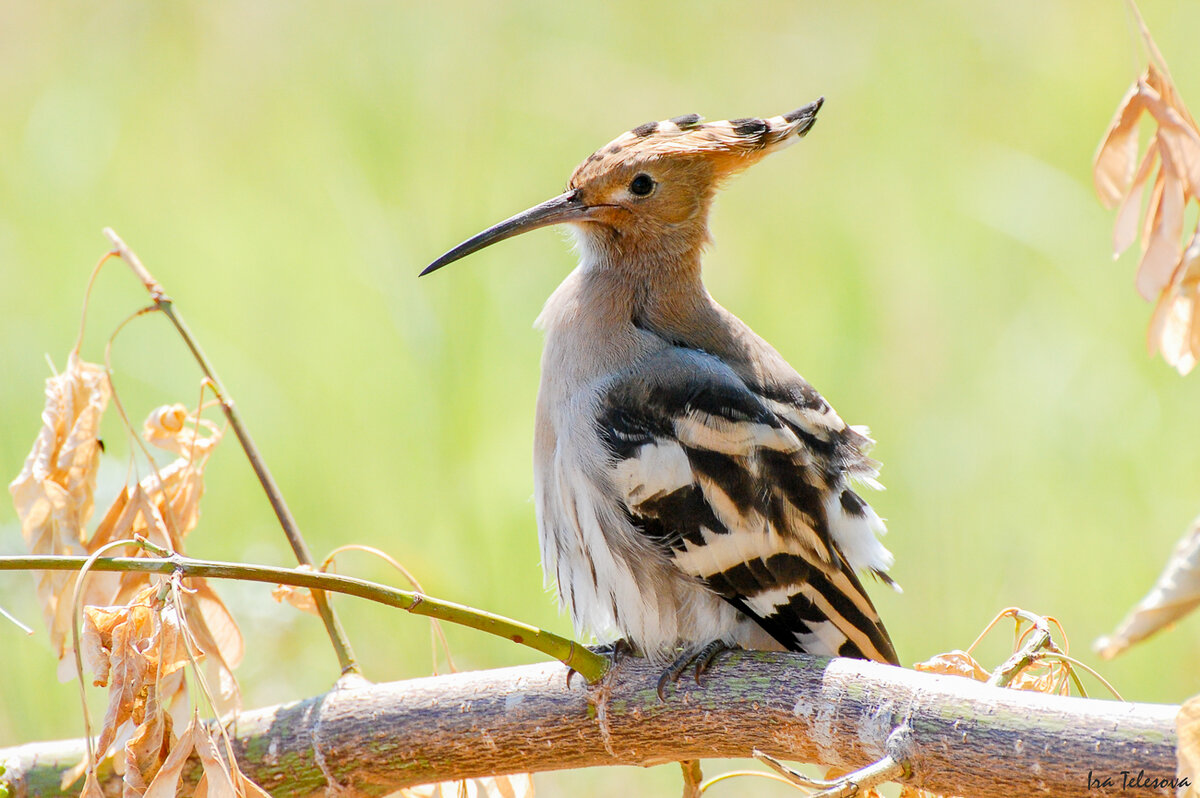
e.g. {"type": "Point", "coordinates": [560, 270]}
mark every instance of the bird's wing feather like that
{"type": "Point", "coordinates": [745, 491]}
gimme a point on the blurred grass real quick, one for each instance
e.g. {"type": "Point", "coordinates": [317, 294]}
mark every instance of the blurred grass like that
{"type": "Point", "coordinates": [932, 258]}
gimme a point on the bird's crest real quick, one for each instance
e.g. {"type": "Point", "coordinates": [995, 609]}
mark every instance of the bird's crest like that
{"type": "Point", "coordinates": [731, 144]}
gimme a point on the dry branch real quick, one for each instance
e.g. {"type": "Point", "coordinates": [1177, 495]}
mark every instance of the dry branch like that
{"type": "Point", "coordinates": [964, 738]}
{"type": "Point", "coordinates": [165, 305]}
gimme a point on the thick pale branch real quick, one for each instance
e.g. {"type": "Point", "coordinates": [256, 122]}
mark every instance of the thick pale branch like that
{"type": "Point", "coordinates": [962, 738]}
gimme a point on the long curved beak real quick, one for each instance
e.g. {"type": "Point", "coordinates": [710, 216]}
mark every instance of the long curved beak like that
{"type": "Point", "coordinates": [566, 207]}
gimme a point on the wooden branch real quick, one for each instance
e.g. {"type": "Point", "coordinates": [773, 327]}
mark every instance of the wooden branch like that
{"type": "Point", "coordinates": [959, 736]}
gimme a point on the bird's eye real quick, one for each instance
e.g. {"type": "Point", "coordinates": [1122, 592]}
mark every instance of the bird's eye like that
{"type": "Point", "coordinates": [641, 185]}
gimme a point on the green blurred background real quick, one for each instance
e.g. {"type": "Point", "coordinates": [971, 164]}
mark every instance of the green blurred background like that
{"type": "Point", "coordinates": [932, 258]}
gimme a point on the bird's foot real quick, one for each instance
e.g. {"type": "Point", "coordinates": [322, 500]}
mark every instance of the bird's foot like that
{"type": "Point", "coordinates": [701, 658]}
{"type": "Point", "coordinates": [615, 651]}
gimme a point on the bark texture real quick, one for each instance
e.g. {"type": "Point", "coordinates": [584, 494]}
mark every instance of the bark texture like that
{"type": "Point", "coordinates": [961, 737]}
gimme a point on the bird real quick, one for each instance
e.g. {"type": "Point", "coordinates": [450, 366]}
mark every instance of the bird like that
{"type": "Point", "coordinates": [693, 493]}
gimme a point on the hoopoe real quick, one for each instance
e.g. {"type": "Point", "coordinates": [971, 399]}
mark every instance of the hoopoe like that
{"type": "Point", "coordinates": [692, 489]}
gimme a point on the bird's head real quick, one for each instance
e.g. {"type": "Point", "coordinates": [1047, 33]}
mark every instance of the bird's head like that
{"type": "Point", "coordinates": [647, 192]}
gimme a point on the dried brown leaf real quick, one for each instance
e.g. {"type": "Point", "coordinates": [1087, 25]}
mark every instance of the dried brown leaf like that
{"type": "Point", "coordinates": [1188, 279]}
{"type": "Point", "coordinates": [246, 788]}
{"type": "Point", "coordinates": [1159, 79]}
{"type": "Point", "coordinates": [54, 493]}
{"type": "Point", "coordinates": [1181, 333]}
{"type": "Point", "coordinates": [1176, 593]}
{"type": "Point", "coordinates": [170, 646]}
{"type": "Point", "coordinates": [173, 428]}
{"type": "Point", "coordinates": [91, 786]}
{"type": "Point", "coordinates": [67, 450]}
{"type": "Point", "coordinates": [106, 530]}
{"type": "Point", "coordinates": [1126, 227]}
{"type": "Point", "coordinates": [1187, 725]}
{"type": "Point", "coordinates": [176, 489]}
{"type": "Point", "coordinates": [162, 508]}
{"type": "Point", "coordinates": [170, 696]}
{"type": "Point", "coordinates": [1163, 248]}
{"type": "Point", "coordinates": [138, 517]}
{"type": "Point", "coordinates": [1113, 165]}
{"type": "Point", "coordinates": [147, 749]}
{"type": "Point", "coordinates": [1171, 326]}
{"type": "Point", "coordinates": [216, 635]}
{"type": "Point", "coordinates": [145, 518]}
{"type": "Point", "coordinates": [1173, 329]}
{"type": "Point", "coordinates": [178, 499]}
{"type": "Point", "coordinates": [1176, 129]}
{"type": "Point", "coordinates": [165, 506]}
{"type": "Point", "coordinates": [1162, 275]}
{"type": "Point", "coordinates": [515, 786]}
{"type": "Point", "coordinates": [1152, 208]}
{"type": "Point", "coordinates": [954, 663]}
{"type": "Point", "coordinates": [96, 640]}
{"type": "Point", "coordinates": [217, 781]}
{"type": "Point", "coordinates": [138, 651]}
{"type": "Point", "coordinates": [1039, 679]}
{"type": "Point", "coordinates": [519, 785]}
{"type": "Point", "coordinates": [166, 781]}
{"type": "Point", "coordinates": [220, 779]}
{"type": "Point", "coordinates": [222, 628]}
{"type": "Point", "coordinates": [129, 666]}
{"type": "Point", "coordinates": [299, 597]}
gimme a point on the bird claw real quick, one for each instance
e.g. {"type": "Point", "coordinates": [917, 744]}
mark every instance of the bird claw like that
{"type": "Point", "coordinates": [702, 659]}
{"type": "Point", "coordinates": [707, 656]}
{"type": "Point", "coordinates": [615, 651]}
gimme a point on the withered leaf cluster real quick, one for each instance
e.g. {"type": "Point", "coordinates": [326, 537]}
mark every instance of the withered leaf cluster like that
{"type": "Point", "coordinates": [1046, 668]}
{"type": "Point", "coordinates": [139, 631]}
{"type": "Point", "coordinates": [1168, 273]}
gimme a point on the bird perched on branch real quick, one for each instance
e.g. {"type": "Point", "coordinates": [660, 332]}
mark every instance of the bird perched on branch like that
{"type": "Point", "coordinates": [693, 491]}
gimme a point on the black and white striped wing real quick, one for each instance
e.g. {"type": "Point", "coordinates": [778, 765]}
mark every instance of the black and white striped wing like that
{"type": "Point", "coordinates": [746, 492]}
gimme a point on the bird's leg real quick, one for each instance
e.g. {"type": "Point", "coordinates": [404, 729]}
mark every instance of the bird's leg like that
{"type": "Point", "coordinates": [614, 651]}
{"type": "Point", "coordinates": [708, 655]}
{"type": "Point", "coordinates": [702, 658]}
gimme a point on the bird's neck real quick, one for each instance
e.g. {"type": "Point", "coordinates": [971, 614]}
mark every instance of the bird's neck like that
{"type": "Point", "coordinates": [654, 285]}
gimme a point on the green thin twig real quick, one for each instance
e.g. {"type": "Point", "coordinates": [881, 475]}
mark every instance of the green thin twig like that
{"type": "Point", "coordinates": [165, 305]}
{"type": "Point", "coordinates": [589, 665]}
